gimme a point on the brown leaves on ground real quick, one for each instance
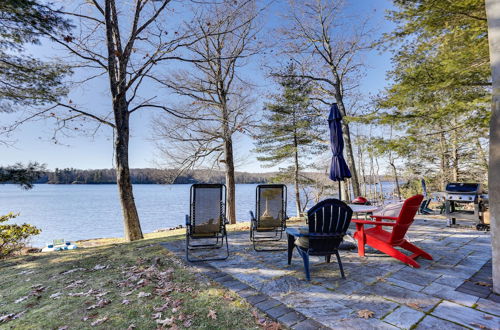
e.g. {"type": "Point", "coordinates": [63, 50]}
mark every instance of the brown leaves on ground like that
{"type": "Point", "coordinates": [100, 303]}
{"type": "Point", "coordinates": [11, 316]}
{"type": "Point", "coordinates": [166, 322]}
{"type": "Point", "coordinates": [414, 306]}
{"type": "Point", "coordinates": [99, 321]}
{"type": "Point", "coordinates": [212, 314]}
{"type": "Point", "coordinates": [481, 283]}
{"type": "Point", "coordinates": [271, 325]}
{"type": "Point", "coordinates": [365, 313]}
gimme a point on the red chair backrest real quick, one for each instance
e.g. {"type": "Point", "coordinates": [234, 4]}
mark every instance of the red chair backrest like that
{"type": "Point", "coordinates": [405, 218]}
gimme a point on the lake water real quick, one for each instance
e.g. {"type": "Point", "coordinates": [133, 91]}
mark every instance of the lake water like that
{"type": "Point", "coordinates": [75, 212]}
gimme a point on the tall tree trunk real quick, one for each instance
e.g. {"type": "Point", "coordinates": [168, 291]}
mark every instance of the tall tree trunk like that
{"type": "Point", "coordinates": [130, 216]}
{"type": "Point", "coordinates": [493, 14]}
{"type": "Point", "coordinates": [444, 161]}
{"type": "Point", "coordinates": [116, 66]}
{"type": "Point", "coordinates": [455, 157]}
{"type": "Point", "coordinates": [396, 178]}
{"type": "Point", "coordinates": [296, 175]}
{"type": "Point", "coordinates": [230, 184]}
{"type": "Point", "coordinates": [348, 145]}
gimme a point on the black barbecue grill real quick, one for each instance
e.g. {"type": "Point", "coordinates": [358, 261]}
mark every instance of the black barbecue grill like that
{"type": "Point", "coordinates": [466, 201]}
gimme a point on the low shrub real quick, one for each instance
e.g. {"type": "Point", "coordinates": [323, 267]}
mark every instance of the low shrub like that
{"type": "Point", "coordinates": [13, 237]}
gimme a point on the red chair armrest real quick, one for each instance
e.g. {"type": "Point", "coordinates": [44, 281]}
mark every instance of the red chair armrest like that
{"type": "Point", "coordinates": [383, 217]}
{"type": "Point", "coordinates": [374, 223]}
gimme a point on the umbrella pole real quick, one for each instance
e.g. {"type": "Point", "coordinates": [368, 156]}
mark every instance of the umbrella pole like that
{"type": "Point", "coordinates": [340, 192]}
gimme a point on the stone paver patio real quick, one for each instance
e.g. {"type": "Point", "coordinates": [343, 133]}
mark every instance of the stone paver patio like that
{"type": "Point", "coordinates": [399, 296]}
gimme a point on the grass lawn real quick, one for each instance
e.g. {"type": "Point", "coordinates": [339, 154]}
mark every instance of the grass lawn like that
{"type": "Point", "coordinates": [114, 285]}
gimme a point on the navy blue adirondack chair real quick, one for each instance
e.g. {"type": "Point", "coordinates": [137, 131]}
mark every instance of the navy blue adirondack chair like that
{"type": "Point", "coordinates": [328, 223]}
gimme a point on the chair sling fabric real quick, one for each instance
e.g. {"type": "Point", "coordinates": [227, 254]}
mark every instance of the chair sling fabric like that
{"type": "Point", "coordinates": [328, 223]}
{"type": "Point", "coordinates": [270, 211]}
{"type": "Point", "coordinates": [206, 219]}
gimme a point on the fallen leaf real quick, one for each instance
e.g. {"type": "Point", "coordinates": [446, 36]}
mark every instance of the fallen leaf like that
{"type": "Point", "coordinates": [187, 323]}
{"type": "Point", "coordinates": [64, 327]}
{"type": "Point", "coordinates": [99, 267]}
{"type": "Point", "coordinates": [21, 299]}
{"type": "Point", "coordinates": [212, 314]}
{"type": "Point", "coordinates": [480, 326]}
{"type": "Point", "coordinates": [487, 317]}
{"type": "Point", "coordinates": [414, 305]}
{"type": "Point", "coordinates": [7, 317]}
{"type": "Point", "coordinates": [101, 303]}
{"type": "Point", "coordinates": [125, 302]}
{"type": "Point", "coordinates": [72, 271]}
{"type": "Point", "coordinates": [271, 325]}
{"type": "Point", "coordinates": [75, 284]}
{"type": "Point", "coordinates": [161, 308]}
{"type": "Point", "coordinates": [175, 310]}
{"type": "Point", "coordinates": [143, 294]}
{"type": "Point", "coordinates": [127, 293]}
{"type": "Point", "coordinates": [165, 322]}
{"type": "Point", "coordinates": [365, 313]}
{"type": "Point", "coordinates": [102, 294]}
{"type": "Point", "coordinates": [156, 316]}
{"type": "Point", "coordinates": [99, 321]}
{"type": "Point", "coordinates": [483, 284]}
{"type": "Point", "coordinates": [132, 326]}
{"type": "Point", "coordinates": [56, 295]}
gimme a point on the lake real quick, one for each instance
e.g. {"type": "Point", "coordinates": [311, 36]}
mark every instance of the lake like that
{"type": "Point", "coordinates": [75, 212]}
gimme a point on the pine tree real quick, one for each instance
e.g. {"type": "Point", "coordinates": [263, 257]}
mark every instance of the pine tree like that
{"type": "Point", "coordinates": [290, 130]}
{"type": "Point", "coordinates": [25, 80]}
{"type": "Point", "coordinates": [439, 98]}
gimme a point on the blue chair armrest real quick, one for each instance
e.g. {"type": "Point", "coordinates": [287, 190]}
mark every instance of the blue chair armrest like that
{"type": "Point", "coordinates": [188, 223]}
{"type": "Point", "coordinates": [252, 217]}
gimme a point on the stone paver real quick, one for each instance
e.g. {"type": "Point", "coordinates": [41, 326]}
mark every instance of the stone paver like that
{"type": "Point", "coordinates": [404, 317]}
{"type": "Point", "coordinates": [445, 292]}
{"type": "Point", "coordinates": [398, 295]}
{"type": "Point", "coordinates": [433, 323]}
{"type": "Point", "coordinates": [466, 316]}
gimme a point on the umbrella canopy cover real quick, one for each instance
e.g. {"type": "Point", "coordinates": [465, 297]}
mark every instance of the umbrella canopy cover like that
{"type": "Point", "coordinates": [338, 168]}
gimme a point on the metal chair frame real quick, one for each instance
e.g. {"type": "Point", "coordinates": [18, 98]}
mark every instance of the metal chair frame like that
{"type": "Point", "coordinates": [219, 236]}
{"type": "Point", "coordinates": [276, 233]}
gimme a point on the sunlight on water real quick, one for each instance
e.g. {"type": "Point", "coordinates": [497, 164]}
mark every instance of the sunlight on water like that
{"type": "Point", "coordinates": [76, 212]}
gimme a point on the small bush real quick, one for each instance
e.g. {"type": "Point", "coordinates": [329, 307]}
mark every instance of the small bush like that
{"type": "Point", "coordinates": [13, 237]}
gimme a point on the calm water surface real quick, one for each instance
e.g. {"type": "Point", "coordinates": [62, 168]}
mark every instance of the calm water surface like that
{"type": "Point", "coordinates": [75, 212]}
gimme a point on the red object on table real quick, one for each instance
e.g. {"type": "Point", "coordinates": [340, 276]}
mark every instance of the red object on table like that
{"type": "Point", "coordinates": [360, 200]}
{"type": "Point", "coordinates": [386, 241]}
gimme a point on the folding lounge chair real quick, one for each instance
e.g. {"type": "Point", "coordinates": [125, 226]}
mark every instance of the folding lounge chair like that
{"type": "Point", "coordinates": [270, 217]}
{"type": "Point", "coordinates": [328, 224]}
{"type": "Point", "coordinates": [387, 241]}
{"type": "Point", "coordinates": [206, 220]}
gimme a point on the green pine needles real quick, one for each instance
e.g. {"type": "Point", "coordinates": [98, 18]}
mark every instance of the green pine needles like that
{"type": "Point", "coordinates": [291, 131]}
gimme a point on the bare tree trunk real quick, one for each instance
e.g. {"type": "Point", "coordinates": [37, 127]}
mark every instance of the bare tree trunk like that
{"type": "Point", "coordinates": [455, 158]}
{"type": "Point", "coordinates": [396, 179]}
{"type": "Point", "coordinates": [444, 161]}
{"type": "Point", "coordinates": [230, 182]}
{"type": "Point", "coordinates": [296, 176]}
{"type": "Point", "coordinates": [131, 222]}
{"type": "Point", "coordinates": [493, 14]}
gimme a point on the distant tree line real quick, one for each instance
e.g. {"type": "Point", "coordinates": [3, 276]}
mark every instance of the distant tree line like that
{"type": "Point", "coordinates": [147, 176]}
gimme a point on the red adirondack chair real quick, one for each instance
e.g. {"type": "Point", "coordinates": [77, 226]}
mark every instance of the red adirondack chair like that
{"type": "Point", "coordinates": [386, 241]}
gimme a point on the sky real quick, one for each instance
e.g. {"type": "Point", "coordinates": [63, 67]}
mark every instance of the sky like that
{"type": "Point", "coordinates": [33, 141]}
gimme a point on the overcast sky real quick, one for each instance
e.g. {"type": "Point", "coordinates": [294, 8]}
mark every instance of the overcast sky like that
{"type": "Point", "coordinates": [32, 142]}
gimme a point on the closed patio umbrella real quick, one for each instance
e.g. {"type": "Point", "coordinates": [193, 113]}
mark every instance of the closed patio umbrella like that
{"type": "Point", "coordinates": [338, 168]}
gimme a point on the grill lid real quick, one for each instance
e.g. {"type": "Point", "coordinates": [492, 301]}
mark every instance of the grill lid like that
{"type": "Point", "coordinates": [464, 188]}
